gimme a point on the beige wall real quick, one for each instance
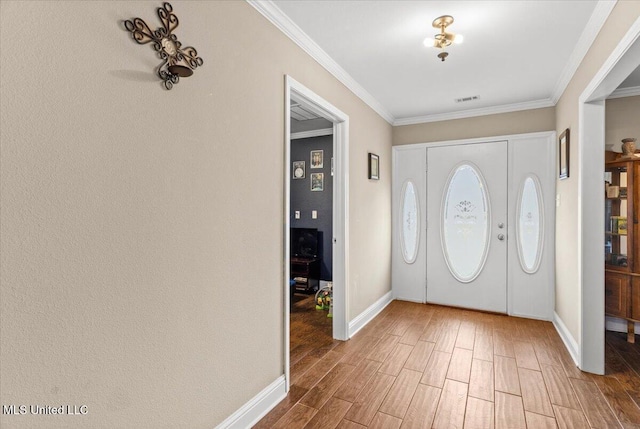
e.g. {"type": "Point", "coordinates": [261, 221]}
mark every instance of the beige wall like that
{"type": "Point", "coordinates": [527, 121]}
{"type": "Point", "coordinates": [141, 229]}
{"type": "Point", "coordinates": [567, 285]}
{"type": "Point", "coordinates": [622, 116]}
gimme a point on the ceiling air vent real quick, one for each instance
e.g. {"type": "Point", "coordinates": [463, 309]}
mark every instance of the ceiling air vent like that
{"type": "Point", "coordinates": [465, 99]}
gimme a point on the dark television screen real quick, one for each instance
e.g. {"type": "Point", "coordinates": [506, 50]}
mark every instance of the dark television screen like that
{"type": "Point", "coordinates": [304, 242]}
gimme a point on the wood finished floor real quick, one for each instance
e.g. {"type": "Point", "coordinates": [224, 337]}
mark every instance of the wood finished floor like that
{"type": "Point", "coordinates": [425, 366]}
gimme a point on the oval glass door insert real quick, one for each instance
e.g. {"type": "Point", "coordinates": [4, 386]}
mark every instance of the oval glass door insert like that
{"type": "Point", "coordinates": [530, 224]}
{"type": "Point", "coordinates": [465, 223]}
{"type": "Point", "coordinates": [410, 235]}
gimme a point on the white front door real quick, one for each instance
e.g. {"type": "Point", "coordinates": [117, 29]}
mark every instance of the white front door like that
{"type": "Point", "coordinates": [477, 229]}
{"type": "Point", "coordinates": [467, 226]}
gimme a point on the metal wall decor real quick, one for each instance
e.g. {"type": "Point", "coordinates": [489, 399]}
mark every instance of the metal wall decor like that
{"type": "Point", "coordinates": [178, 61]}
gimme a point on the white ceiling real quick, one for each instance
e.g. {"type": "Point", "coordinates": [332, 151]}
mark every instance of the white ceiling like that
{"type": "Point", "coordinates": [303, 119]}
{"type": "Point", "coordinates": [516, 54]}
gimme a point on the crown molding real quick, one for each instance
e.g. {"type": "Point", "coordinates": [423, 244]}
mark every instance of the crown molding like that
{"type": "Point", "coordinates": [278, 18]}
{"type": "Point", "coordinates": [312, 133]}
{"type": "Point", "coordinates": [588, 36]}
{"type": "Point", "coordinates": [505, 108]}
{"type": "Point", "coordinates": [625, 92]}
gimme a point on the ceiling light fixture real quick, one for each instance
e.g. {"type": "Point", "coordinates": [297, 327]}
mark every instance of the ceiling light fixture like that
{"type": "Point", "coordinates": [443, 39]}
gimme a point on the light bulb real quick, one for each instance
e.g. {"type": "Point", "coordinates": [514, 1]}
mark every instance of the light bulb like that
{"type": "Point", "coordinates": [458, 39]}
{"type": "Point", "coordinates": [429, 42]}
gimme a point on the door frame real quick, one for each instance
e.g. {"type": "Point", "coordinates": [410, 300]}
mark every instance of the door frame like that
{"type": "Point", "coordinates": [303, 95]}
{"type": "Point", "coordinates": [624, 59]}
{"type": "Point", "coordinates": [510, 137]}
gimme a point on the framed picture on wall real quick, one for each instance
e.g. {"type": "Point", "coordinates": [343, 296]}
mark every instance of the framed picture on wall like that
{"type": "Point", "coordinates": [317, 182]}
{"type": "Point", "coordinates": [563, 147]}
{"type": "Point", "coordinates": [374, 166]}
{"type": "Point", "coordinates": [317, 159]}
{"type": "Point", "coordinates": [298, 170]}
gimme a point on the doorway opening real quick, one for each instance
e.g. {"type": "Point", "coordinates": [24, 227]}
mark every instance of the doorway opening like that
{"type": "Point", "coordinates": [591, 222]}
{"type": "Point", "coordinates": [307, 221]}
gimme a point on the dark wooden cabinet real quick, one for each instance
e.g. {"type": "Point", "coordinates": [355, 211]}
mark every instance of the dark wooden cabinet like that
{"type": "Point", "coordinates": [616, 289]}
{"type": "Point", "coordinates": [635, 298]}
{"type": "Point", "coordinates": [306, 273]}
{"type": "Point", "coordinates": [622, 246]}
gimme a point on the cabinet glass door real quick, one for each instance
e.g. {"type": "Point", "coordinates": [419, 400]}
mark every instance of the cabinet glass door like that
{"type": "Point", "coordinates": [615, 242]}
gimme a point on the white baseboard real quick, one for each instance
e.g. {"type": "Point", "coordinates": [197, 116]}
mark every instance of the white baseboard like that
{"type": "Point", "coordinates": [251, 412]}
{"type": "Point", "coordinates": [532, 316]}
{"type": "Point", "coordinates": [569, 342]}
{"type": "Point", "coordinates": [401, 298]}
{"type": "Point", "coordinates": [618, 325]}
{"type": "Point", "coordinates": [367, 316]}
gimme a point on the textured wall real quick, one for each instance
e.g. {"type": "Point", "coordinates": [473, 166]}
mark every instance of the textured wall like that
{"type": "Point", "coordinates": [527, 121]}
{"type": "Point", "coordinates": [131, 277]}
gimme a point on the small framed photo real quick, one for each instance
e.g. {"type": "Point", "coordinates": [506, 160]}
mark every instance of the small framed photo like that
{"type": "Point", "coordinates": [374, 166]}
{"type": "Point", "coordinates": [317, 159]}
{"type": "Point", "coordinates": [317, 182]}
{"type": "Point", "coordinates": [563, 147]}
{"type": "Point", "coordinates": [298, 170]}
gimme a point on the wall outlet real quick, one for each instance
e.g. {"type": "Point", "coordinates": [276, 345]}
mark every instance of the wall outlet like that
{"type": "Point", "coordinates": [314, 214]}
{"type": "Point", "coordinates": [297, 214]}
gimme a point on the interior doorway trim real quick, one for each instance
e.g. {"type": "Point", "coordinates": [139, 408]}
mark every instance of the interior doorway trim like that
{"type": "Point", "coordinates": [303, 95]}
{"type": "Point", "coordinates": [591, 135]}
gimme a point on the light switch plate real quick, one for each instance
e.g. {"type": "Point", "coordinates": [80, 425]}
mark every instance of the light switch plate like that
{"type": "Point", "coordinates": [297, 214]}
{"type": "Point", "coordinates": [314, 214]}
